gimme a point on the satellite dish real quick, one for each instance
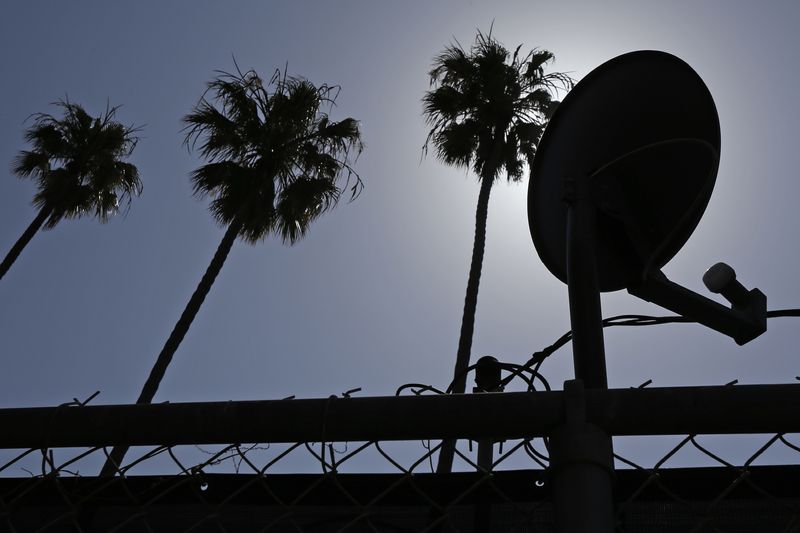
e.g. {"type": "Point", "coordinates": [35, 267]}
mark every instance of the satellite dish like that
{"type": "Point", "coordinates": [621, 177]}
{"type": "Point", "coordinates": [643, 131]}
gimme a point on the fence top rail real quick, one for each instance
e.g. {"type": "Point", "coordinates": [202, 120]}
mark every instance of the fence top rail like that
{"type": "Point", "coordinates": [650, 411]}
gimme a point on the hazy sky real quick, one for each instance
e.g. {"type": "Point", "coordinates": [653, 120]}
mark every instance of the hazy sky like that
{"type": "Point", "coordinates": [373, 296]}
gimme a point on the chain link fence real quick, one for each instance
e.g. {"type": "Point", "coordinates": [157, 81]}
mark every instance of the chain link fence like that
{"type": "Point", "coordinates": [692, 459]}
{"type": "Point", "coordinates": [726, 483]}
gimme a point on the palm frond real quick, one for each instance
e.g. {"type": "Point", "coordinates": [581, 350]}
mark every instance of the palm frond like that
{"type": "Point", "coordinates": [46, 136]}
{"type": "Point", "coordinates": [221, 135]}
{"type": "Point", "coordinates": [451, 67]}
{"type": "Point", "coordinates": [527, 132]}
{"type": "Point", "coordinates": [512, 163]}
{"type": "Point", "coordinates": [105, 205]}
{"type": "Point", "coordinates": [301, 203]}
{"type": "Point", "coordinates": [538, 99]}
{"type": "Point", "coordinates": [535, 62]}
{"type": "Point", "coordinates": [28, 163]}
{"type": "Point", "coordinates": [235, 95]}
{"type": "Point", "coordinates": [445, 103]}
{"type": "Point", "coordinates": [344, 134]}
{"type": "Point", "coordinates": [209, 179]}
{"type": "Point", "coordinates": [456, 142]}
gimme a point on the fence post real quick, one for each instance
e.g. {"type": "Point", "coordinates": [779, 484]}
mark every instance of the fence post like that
{"type": "Point", "coordinates": [487, 380]}
{"type": "Point", "coordinates": [582, 469]}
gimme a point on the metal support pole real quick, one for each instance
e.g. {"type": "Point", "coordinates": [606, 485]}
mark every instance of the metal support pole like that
{"type": "Point", "coordinates": [582, 458]}
{"type": "Point", "coordinates": [586, 318]}
{"type": "Point", "coordinates": [581, 462]}
{"type": "Point", "coordinates": [483, 507]}
{"type": "Point", "coordinates": [486, 454]}
{"type": "Point", "coordinates": [487, 380]}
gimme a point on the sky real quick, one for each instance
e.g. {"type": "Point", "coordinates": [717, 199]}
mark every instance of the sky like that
{"type": "Point", "coordinates": [372, 297]}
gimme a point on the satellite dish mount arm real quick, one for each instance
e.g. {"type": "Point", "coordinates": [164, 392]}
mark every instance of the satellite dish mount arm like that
{"type": "Point", "coordinates": [745, 320]}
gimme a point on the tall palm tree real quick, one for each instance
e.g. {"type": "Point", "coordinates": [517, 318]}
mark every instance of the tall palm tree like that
{"type": "Point", "coordinates": [486, 110]}
{"type": "Point", "coordinates": [275, 164]}
{"type": "Point", "coordinates": [77, 163]}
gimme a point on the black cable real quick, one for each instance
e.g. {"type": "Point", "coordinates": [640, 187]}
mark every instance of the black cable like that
{"type": "Point", "coordinates": [537, 358]}
{"type": "Point", "coordinates": [783, 312]}
{"type": "Point", "coordinates": [628, 320]}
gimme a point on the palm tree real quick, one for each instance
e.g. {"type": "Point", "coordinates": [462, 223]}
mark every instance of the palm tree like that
{"type": "Point", "coordinates": [486, 111]}
{"type": "Point", "coordinates": [77, 163]}
{"type": "Point", "coordinates": [275, 164]}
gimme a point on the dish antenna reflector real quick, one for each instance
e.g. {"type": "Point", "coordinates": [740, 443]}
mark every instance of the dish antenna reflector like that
{"type": "Point", "coordinates": [621, 178]}
{"type": "Point", "coordinates": [643, 131]}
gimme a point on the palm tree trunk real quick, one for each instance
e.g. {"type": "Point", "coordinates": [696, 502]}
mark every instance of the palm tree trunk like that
{"type": "Point", "coordinates": [23, 241]}
{"type": "Point", "coordinates": [114, 460]}
{"type": "Point", "coordinates": [445, 463]}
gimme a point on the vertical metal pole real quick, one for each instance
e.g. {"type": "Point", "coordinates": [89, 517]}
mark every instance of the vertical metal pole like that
{"type": "Point", "coordinates": [581, 454]}
{"type": "Point", "coordinates": [486, 454]}
{"type": "Point", "coordinates": [483, 506]}
{"type": "Point", "coordinates": [483, 494]}
{"type": "Point", "coordinates": [487, 380]}
{"type": "Point", "coordinates": [582, 469]}
{"type": "Point", "coordinates": [588, 350]}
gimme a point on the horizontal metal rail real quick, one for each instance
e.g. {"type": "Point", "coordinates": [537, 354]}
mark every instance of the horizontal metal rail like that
{"type": "Point", "coordinates": [651, 411]}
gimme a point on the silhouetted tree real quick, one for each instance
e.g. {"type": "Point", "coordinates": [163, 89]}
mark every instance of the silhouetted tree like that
{"type": "Point", "coordinates": [77, 163]}
{"type": "Point", "coordinates": [275, 165]}
{"type": "Point", "coordinates": [486, 110]}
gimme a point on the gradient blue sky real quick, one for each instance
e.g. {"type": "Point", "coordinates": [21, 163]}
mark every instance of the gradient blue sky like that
{"type": "Point", "coordinates": [372, 298]}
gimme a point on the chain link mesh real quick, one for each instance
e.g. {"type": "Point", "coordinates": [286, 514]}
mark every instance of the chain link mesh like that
{"type": "Point", "coordinates": [664, 484]}
{"type": "Point", "coordinates": [696, 483]}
